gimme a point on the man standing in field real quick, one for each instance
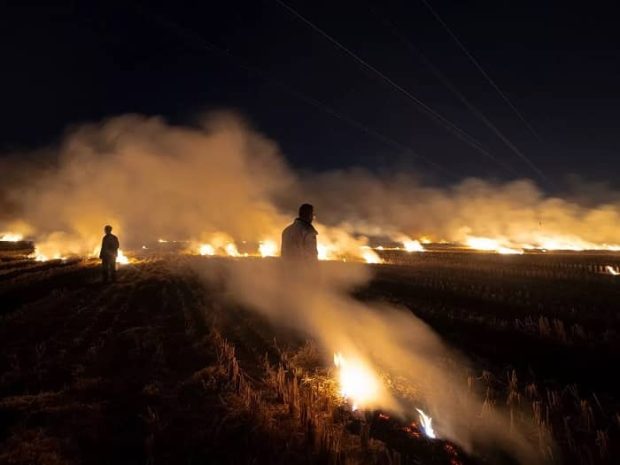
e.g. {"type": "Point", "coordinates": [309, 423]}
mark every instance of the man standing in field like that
{"type": "Point", "coordinates": [299, 238]}
{"type": "Point", "coordinates": [108, 254]}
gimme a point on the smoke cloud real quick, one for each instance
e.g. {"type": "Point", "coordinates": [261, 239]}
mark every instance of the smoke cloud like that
{"type": "Point", "coordinates": [151, 180]}
{"type": "Point", "coordinates": [517, 213]}
{"type": "Point", "coordinates": [316, 301]}
{"type": "Point", "coordinates": [223, 181]}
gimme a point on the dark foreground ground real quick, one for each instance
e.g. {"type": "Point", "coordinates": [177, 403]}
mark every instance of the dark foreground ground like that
{"type": "Point", "coordinates": [153, 369]}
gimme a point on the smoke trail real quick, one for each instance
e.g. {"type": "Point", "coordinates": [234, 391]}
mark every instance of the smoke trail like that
{"type": "Point", "coordinates": [316, 302]}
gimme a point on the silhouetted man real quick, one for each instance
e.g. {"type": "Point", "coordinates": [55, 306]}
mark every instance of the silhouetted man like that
{"type": "Point", "coordinates": [108, 254]}
{"type": "Point", "coordinates": [299, 238]}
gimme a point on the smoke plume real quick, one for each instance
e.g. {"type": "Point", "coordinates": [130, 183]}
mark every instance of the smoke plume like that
{"type": "Point", "coordinates": [223, 181]}
{"type": "Point", "coordinates": [316, 301]}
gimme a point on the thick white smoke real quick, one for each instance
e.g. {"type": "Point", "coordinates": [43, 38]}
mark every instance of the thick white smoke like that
{"type": "Point", "coordinates": [152, 180]}
{"type": "Point", "coordinates": [516, 213]}
{"type": "Point", "coordinates": [316, 301]}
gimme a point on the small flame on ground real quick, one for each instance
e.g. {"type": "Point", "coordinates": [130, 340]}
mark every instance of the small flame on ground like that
{"type": "Point", "coordinates": [268, 249]}
{"type": "Point", "coordinates": [231, 250]}
{"type": "Point", "coordinates": [325, 252]}
{"type": "Point", "coordinates": [509, 251]}
{"type": "Point", "coordinates": [611, 270]}
{"type": "Point", "coordinates": [121, 258]}
{"type": "Point", "coordinates": [427, 424]}
{"type": "Point", "coordinates": [358, 383]}
{"type": "Point", "coordinates": [40, 257]}
{"type": "Point", "coordinates": [413, 246]}
{"type": "Point", "coordinates": [206, 249]}
{"type": "Point", "coordinates": [486, 243]}
{"type": "Point", "coordinates": [370, 256]}
{"type": "Point", "coordinates": [10, 237]}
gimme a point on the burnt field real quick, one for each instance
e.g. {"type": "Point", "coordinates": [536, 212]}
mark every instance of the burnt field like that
{"type": "Point", "coordinates": [161, 367]}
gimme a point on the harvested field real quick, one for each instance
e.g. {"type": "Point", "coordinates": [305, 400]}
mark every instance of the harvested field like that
{"type": "Point", "coordinates": [161, 367]}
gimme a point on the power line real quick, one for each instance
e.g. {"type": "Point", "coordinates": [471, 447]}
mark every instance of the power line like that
{"type": "Point", "coordinates": [447, 124]}
{"type": "Point", "coordinates": [205, 44]}
{"type": "Point", "coordinates": [477, 112]}
{"type": "Point", "coordinates": [478, 66]}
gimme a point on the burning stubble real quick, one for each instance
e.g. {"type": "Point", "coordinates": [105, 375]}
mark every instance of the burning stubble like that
{"type": "Point", "coordinates": [514, 215]}
{"type": "Point", "coordinates": [222, 181]}
{"type": "Point", "coordinates": [152, 180]}
{"type": "Point", "coordinates": [373, 342]}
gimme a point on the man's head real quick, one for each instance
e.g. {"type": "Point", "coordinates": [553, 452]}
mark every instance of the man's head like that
{"type": "Point", "coordinates": [107, 229]}
{"type": "Point", "coordinates": [306, 212]}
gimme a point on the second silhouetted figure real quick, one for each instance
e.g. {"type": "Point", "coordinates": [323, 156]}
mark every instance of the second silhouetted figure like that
{"type": "Point", "coordinates": [108, 254]}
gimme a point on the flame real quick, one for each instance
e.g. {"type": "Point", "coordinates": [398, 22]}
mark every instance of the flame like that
{"type": "Point", "coordinates": [325, 252]}
{"type": "Point", "coordinates": [413, 245]}
{"type": "Point", "coordinates": [370, 256]}
{"type": "Point", "coordinates": [508, 251]}
{"type": "Point", "coordinates": [610, 269]}
{"type": "Point", "coordinates": [206, 249]}
{"type": "Point", "coordinates": [268, 248]}
{"type": "Point", "coordinates": [11, 237]}
{"type": "Point", "coordinates": [231, 250]}
{"type": "Point", "coordinates": [542, 242]}
{"type": "Point", "coordinates": [427, 424]}
{"type": "Point", "coordinates": [38, 256]}
{"type": "Point", "coordinates": [121, 258]}
{"type": "Point", "coordinates": [494, 245]}
{"type": "Point", "coordinates": [358, 383]}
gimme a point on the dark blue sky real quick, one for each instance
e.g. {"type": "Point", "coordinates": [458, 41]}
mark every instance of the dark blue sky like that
{"type": "Point", "coordinates": [68, 62]}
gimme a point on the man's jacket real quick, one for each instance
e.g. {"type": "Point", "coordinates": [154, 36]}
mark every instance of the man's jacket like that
{"type": "Point", "coordinates": [299, 241]}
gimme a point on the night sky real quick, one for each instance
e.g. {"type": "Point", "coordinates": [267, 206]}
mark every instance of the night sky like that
{"type": "Point", "coordinates": [66, 63]}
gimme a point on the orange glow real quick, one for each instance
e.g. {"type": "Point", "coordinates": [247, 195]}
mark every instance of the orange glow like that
{"type": "Point", "coordinates": [492, 245]}
{"type": "Point", "coordinates": [231, 250]}
{"type": "Point", "coordinates": [206, 249]}
{"type": "Point", "coordinates": [11, 237]}
{"type": "Point", "coordinates": [268, 248]}
{"type": "Point", "coordinates": [413, 246]}
{"type": "Point", "coordinates": [358, 383]}
{"type": "Point", "coordinates": [370, 256]}
{"type": "Point", "coordinates": [121, 259]}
